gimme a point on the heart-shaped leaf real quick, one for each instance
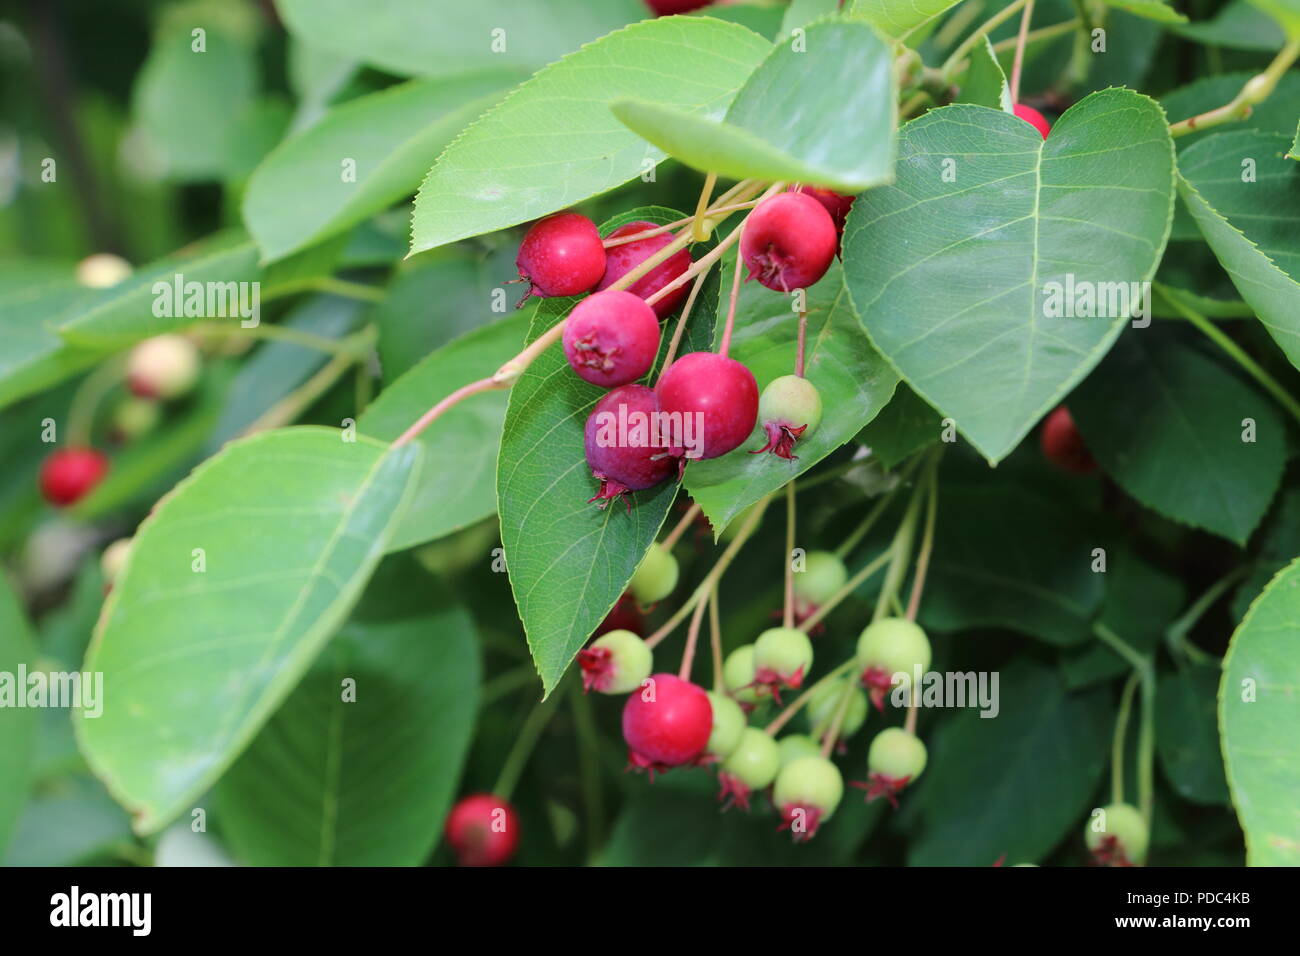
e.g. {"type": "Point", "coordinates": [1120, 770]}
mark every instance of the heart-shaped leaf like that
{"type": "Point", "coordinates": [966, 313]}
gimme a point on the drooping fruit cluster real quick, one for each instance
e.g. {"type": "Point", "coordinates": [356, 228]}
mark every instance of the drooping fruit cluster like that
{"type": "Point", "coordinates": [889, 649]}
{"type": "Point", "coordinates": [482, 830]}
{"type": "Point", "coordinates": [1063, 445]}
{"type": "Point", "coordinates": [1116, 835]}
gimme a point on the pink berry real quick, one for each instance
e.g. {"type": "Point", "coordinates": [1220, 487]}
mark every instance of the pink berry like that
{"type": "Point", "coordinates": [622, 259]}
{"type": "Point", "coordinates": [789, 241]}
{"type": "Point", "coordinates": [716, 398]}
{"type": "Point", "coordinates": [664, 8]}
{"type": "Point", "coordinates": [1063, 445]}
{"type": "Point", "coordinates": [611, 338]}
{"type": "Point", "coordinates": [483, 830]}
{"type": "Point", "coordinates": [561, 255]}
{"type": "Point", "coordinates": [666, 723]}
{"type": "Point", "coordinates": [1034, 118]}
{"type": "Point", "coordinates": [69, 474]}
{"type": "Point", "coordinates": [621, 444]}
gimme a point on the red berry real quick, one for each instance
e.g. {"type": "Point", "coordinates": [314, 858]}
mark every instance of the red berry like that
{"type": "Point", "coordinates": [620, 260]}
{"type": "Point", "coordinates": [561, 255]}
{"type": "Point", "coordinates": [666, 723]}
{"type": "Point", "coordinates": [611, 338]}
{"type": "Point", "coordinates": [483, 830]}
{"type": "Point", "coordinates": [1034, 118]}
{"type": "Point", "coordinates": [622, 449]}
{"type": "Point", "coordinates": [665, 8]}
{"type": "Point", "coordinates": [69, 474]}
{"type": "Point", "coordinates": [1063, 445]}
{"type": "Point", "coordinates": [789, 241]}
{"type": "Point", "coordinates": [835, 204]}
{"type": "Point", "coordinates": [716, 398]}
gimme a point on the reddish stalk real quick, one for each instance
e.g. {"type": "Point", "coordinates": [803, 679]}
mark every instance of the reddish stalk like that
{"type": "Point", "coordinates": [725, 344]}
{"type": "Point", "coordinates": [429, 417]}
{"type": "Point", "coordinates": [692, 638]}
{"type": "Point", "coordinates": [1025, 17]}
{"type": "Point", "coordinates": [803, 339]}
{"type": "Point", "coordinates": [675, 535]}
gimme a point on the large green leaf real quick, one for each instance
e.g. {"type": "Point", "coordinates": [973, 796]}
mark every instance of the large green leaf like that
{"type": "Point", "coordinates": [1017, 784]}
{"type": "Point", "coordinates": [419, 38]}
{"type": "Point", "coordinates": [456, 488]}
{"type": "Point", "coordinates": [17, 724]}
{"type": "Point", "coordinates": [34, 357]}
{"type": "Point", "coordinates": [789, 121]}
{"type": "Point", "coordinates": [1166, 422]}
{"type": "Point", "coordinates": [1187, 734]}
{"type": "Point", "coordinates": [903, 427]}
{"type": "Point", "coordinates": [1285, 12]}
{"type": "Point", "coordinates": [305, 792]}
{"type": "Point", "coordinates": [1251, 225]}
{"type": "Point", "coordinates": [954, 279]}
{"type": "Point", "coordinates": [359, 158]}
{"type": "Point", "coordinates": [1259, 710]}
{"type": "Point", "coordinates": [554, 142]}
{"type": "Point", "coordinates": [854, 381]}
{"type": "Point", "coordinates": [1239, 25]}
{"type": "Point", "coordinates": [288, 526]}
{"type": "Point", "coordinates": [897, 17]}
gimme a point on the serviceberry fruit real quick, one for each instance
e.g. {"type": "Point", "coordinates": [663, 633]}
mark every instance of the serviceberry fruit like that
{"type": "Point", "coordinates": [738, 677]}
{"type": "Point", "coordinates": [1118, 837]}
{"type": "Point", "coordinates": [666, 723]}
{"type": "Point", "coordinates": [890, 646]}
{"type": "Point", "coordinates": [624, 467]}
{"type": "Point", "coordinates": [656, 577]}
{"type": "Point", "coordinates": [1063, 445]}
{"type": "Point", "coordinates": [788, 242]}
{"type": "Point", "coordinates": [163, 367]}
{"type": "Point", "coordinates": [824, 705]}
{"type": "Point", "coordinates": [837, 205]}
{"type": "Point", "coordinates": [794, 746]}
{"type": "Point", "coordinates": [483, 830]}
{"type": "Point", "coordinates": [752, 766]}
{"type": "Point", "coordinates": [69, 474]}
{"type": "Point", "coordinates": [822, 576]}
{"type": "Point", "coordinates": [134, 418]}
{"type": "Point", "coordinates": [789, 409]}
{"type": "Point", "coordinates": [666, 8]}
{"type": "Point", "coordinates": [1034, 118]}
{"type": "Point", "coordinates": [728, 726]}
{"type": "Point", "coordinates": [806, 793]}
{"type": "Point", "coordinates": [561, 255]}
{"type": "Point", "coordinates": [718, 394]}
{"type": "Point", "coordinates": [782, 658]}
{"type": "Point", "coordinates": [622, 259]}
{"type": "Point", "coordinates": [895, 759]}
{"type": "Point", "coordinates": [615, 663]}
{"type": "Point", "coordinates": [611, 338]}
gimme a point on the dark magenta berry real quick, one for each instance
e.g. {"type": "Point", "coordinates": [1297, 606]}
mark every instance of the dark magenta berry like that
{"type": "Point", "coordinates": [664, 8]}
{"type": "Point", "coordinates": [623, 449]}
{"type": "Point", "coordinates": [1034, 118]}
{"type": "Point", "coordinates": [483, 830]}
{"type": "Point", "coordinates": [622, 259]}
{"type": "Point", "coordinates": [611, 338]}
{"type": "Point", "coordinates": [789, 241]}
{"type": "Point", "coordinates": [667, 723]}
{"type": "Point", "coordinates": [561, 255]}
{"type": "Point", "coordinates": [1063, 445]}
{"type": "Point", "coordinates": [69, 474]}
{"type": "Point", "coordinates": [716, 399]}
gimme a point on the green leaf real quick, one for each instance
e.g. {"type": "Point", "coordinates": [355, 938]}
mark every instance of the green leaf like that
{"type": "Point", "coordinates": [34, 357]}
{"type": "Point", "coordinates": [359, 158]}
{"type": "Point", "coordinates": [1294, 151]}
{"type": "Point", "coordinates": [787, 123]}
{"type": "Point", "coordinates": [553, 142]}
{"type": "Point", "coordinates": [800, 13]}
{"type": "Point", "coordinates": [1240, 25]}
{"type": "Point", "coordinates": [1017, 784]}
{"type": "Point", "coordinates": [456, 487]}
{"type": "Point", "coordinates": [418, 38]}
{"type": "Point", "coordinates": [1278, 542]}
{"type": "Point", "coordinates": [68, 822]}
{"type": "Point", "coordinates": [1285, 12]}
{"type": "Point", "coordinates": [897, 17]}
{"type": "Point", "coordinates": [985, 83]}
{"type": "Point", "coordinates": [1251, 225]}
{"type": "Point", "coordinates": [903, 427]}
{"type": "Point", "coordinates": [1149, 9]}
{"type": "Point", "coordinates": [305, 792]}
{"type": "Point", "coordinates": [17, 724]}
{"type": "Point", "coordinates": [1166, 422]}
{"type": "Point", "coordinates": [854, 381]}
{"type": "Point", "coordinates": [206, 632]}
{"type": "Point", "coordinates": [1259, 709]}
{"type": "Point", "coordinates": [1187, 734]}
{"type": "Point", "coordinates": [962, 310]}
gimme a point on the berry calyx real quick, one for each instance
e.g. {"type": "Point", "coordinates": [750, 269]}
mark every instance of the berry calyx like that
{"type": "Point", "coordinates": [664, 8]}
{"type": "Point", "coordinates": [728, 726]}
{"type": "Point", "coordinates": [561, 255]}
{"type": "Point", "coordinates": [789, 242]}
{"type": "Point", "coordinates": [789, 409]}
{"type": "Point", "coordinates": [163, 367]}
{"type": "Point", "coordinates": [656, 577]}
{"type": "Point", "coordinates": [889, 647]}
{"type": "Point", "coordinates": [69, 474]}
{"type": "Point", "coordinates": [834, 203]}
{"type": "Point", "coordinates": [615, 663]}
{"type": "Point", "coordinates": [806, 793]}
{"type": "Point", "coordinates": [1034, 118]}
{"type": "Point", "coordinates": [622, 259]}
{"type": "Point", "coordinates": [822, 576]}
{"type": "Point", "coordinates": [666, 723]}
{"type": "Point", "coordinates": [824, 706]}
{"type": "Point", "coordinates": [895, 759]}
{"type": "Point", "coordinates": [1117, 835]}
{"type": "Point", "coordinates": [794, 746]}
{"type": "Point", "coordinates": [782, 658]}
{"type": "Point", "coordinates": [753, 765]}
{"type": "Point", "coordinates": [716, 399]}
{"type": "Point", "coordinates": [1063, 445]}
{"type": "Point", "coordinates": [611, 338]}
{"type": "Point", "coordinates": [113, 560]}
{"type": "Point", "coordinates": [738, 678]}
{"type": "Point", "coordinates": [482, 830]}
{"type": "Point", "coordinates": [620, 444]}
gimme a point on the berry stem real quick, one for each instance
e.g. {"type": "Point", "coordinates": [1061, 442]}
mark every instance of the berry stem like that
{"type": "Point", "coordinates": [529, 734]}
{"type": "Point", "coordinates": [1257, 89]}
{"type": "Point", "coordinates": [350, 290]}
{"type": "Point", "coordinates": [848, 588]}
{"type": "Point", "coordinates": [699, 232]}
{"type": "Point", "coordinates": [693, 636]}
{"type": "Point", "coordinates": [589, 748]}
{"type": "Point", "coordinates": [432, 415]}
{"type": "Point", "coordinates": [698, 268]}
{"type": "Point", "coordinates": [927, 537]}
{"type": "Point", "coordinates": [675, 224]}
{"type": "Point", "coordinates": [949, 68]}
{"type": "Point", "coordinates": [1145, 670]}
{"type": "Point", "coordinates": [797, 704]}
{"type": "Point", "coordinates": [87, 398]}
{"type": "Point", "coordinates": [1176, 634]}
{"type": "Point", "coordinates": [725, 345]}
{"type": "Point", "coordinates": [787, 613]}
{"type": "Point", "coordinates": [867, 523]}
{"type": "Point", "coordinates": [1032, 37]}
{"type": "Point", "coordinates": [1118, 738]}
{"type": "Point", "coordinates": [803, 340]}
{"type": "Point", "coordinates": [715, 641]}
{"type": "Point", "coordinates": [275, 333]}
{"type": "Point", "coordinates": [305, 395]}
{"type": "Point", "coordinates": [675, 535]}
{"type": "Point", "coordinates": [681, 320]}
{"type": "Point", "coordinates": [1020, 51]}
{"type": "Point", "coordinates": [833, 731]}
{"type": "Point", "coordinates": [900, 551]}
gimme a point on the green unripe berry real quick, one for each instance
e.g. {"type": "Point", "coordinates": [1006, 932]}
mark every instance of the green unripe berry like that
{"type": "Point", "coordinates": [134, 418]}
{"type": "Point", "coordinates": [825, 704]}
{"type": "Point", "coordinates": [738, 676]}
{"type": "Point", "coordinates": [794, 746]}
{"type": "Point", "coordinates": [655, 579]}
{"type": "Point", "coordinates": [891, 646]}
{"type": "Point", "coordinates": [1123, 822]}
{"type": "Point", "coordinates": [823, 574]}
{"type": "Point", "coordinates": [807, 791]}
{"type": "Point", "coordinates": [896, 755]}
{"type": "Point", "coordinates": [791, 400]}
{"type": "Point", "coordinates": [782, 655]}
{"type": "Point", "coordinates": [755, 761]}
{"type": "Point", "coordinates": [615, 663]}
{"type": "Point", "coordinates": [728, 727]}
